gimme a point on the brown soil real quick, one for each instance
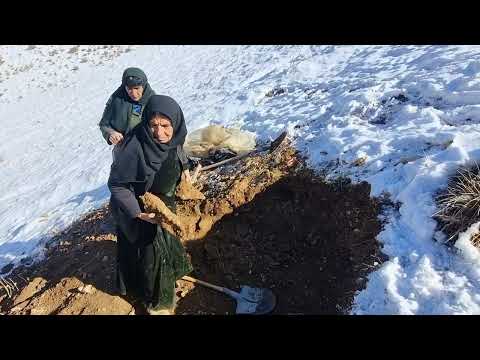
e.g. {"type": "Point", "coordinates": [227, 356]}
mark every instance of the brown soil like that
{"type": "Point", "coordinates": [187, 191]}
{"type": "Point", "coordinates": [265, 221]}
{"type": "Point", "coordinates": [310, 243]}
{"type": "Point", "coordinates": [82, 255]}
{"type": "Point", "coordinates": [226, 189]}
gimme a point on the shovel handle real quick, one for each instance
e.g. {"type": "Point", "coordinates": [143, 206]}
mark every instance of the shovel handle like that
{"type": "Point", "coordinates": [275, 144]}
{"type": "Point", "coordinates": [204, 283]}
{"type": "Point", "coordinates": [238, 157]}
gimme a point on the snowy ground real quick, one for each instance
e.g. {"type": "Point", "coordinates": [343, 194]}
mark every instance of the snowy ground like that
{"type": "Point", "coordinates": [402, 118]}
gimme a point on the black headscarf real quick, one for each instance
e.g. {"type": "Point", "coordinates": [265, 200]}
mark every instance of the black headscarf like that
{"type": "Point", "coordinates": [121, 92]}
{"type": "Point", "coordinates": [140, 156]}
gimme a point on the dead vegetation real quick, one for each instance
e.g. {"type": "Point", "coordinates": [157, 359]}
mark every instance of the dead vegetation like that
{"type": "Point", "coordinates": [459, 204]}
{"type": "Point", "coordinates": [8, 286]}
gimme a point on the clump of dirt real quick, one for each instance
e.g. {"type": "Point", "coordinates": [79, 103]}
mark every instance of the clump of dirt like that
{"type": "Point", "coordinates": [163, 215]}
{"type": "Point", "coordinates": [265, 221]}
{"type": "Point", "coordinates": [187, 191]}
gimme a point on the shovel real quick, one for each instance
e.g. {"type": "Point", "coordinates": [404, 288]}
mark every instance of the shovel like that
{"type": "Point", "coordinates": [250, 300]}
{"type": "Point", "coordinates": [274, 145]}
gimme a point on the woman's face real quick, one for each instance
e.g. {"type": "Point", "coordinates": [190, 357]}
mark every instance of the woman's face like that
{"type": "Point", "coordinates": [161, 128]}
{"type": "Point", "coordinates": [135, 92]}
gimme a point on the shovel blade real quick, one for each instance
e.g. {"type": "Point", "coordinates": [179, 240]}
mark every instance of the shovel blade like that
{"type": "Point", "coordinates": [255, 301]}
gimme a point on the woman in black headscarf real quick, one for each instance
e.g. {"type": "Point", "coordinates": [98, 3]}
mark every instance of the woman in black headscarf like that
{"type": "Point", "coordinates": [124, 108]}
{"type": "Point", "coordinates": [151, 158]}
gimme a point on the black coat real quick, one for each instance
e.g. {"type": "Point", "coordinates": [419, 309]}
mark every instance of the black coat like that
{"type": "Point", "coordinates": [150, 259]}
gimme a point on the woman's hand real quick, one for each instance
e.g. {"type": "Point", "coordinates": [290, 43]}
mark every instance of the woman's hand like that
{"type": "Point", "coordinates": [148, 217]}
{"type": "Point", "coordinates": [115, 137]}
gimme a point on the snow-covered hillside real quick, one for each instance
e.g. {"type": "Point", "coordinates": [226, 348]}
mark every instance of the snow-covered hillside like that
{"type": "Point", "coordinates": [402, 118]}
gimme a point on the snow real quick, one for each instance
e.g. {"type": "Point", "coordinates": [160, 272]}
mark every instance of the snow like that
{"type": "Point", "coordinates": [412, 113]}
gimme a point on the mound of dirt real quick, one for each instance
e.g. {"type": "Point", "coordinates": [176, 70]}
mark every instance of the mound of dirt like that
{"type": "Point", "coordinates": [265, 221]}
{"type": "Point", "coordinates": [311, 243]}
{"type": "Point", "coordinates": [225, 190]}
{"type": "Point", "coordinates": [77, 275]}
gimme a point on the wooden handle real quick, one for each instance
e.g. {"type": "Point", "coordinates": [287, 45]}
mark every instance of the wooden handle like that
{"type": "Point", "coordinates": [274, 146]}
{"type": "Point", "coordinates": [238, 157]}
{"type": "Point", "coordinates": [204, 283]}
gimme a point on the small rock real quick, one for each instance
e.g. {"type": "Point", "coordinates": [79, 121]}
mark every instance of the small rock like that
{"type": "Point", "coordinates": [16, 309]}
{"type": "Point", "coordinates": [6, 268]}
{"type": "Point", "coordinates": [26, 261]}
{"type": "Point", "coordinates": [275, 92]}
{"type": "Point", "coordinates": [401, 98]}
{"type": "Point", "coordinates": [360, 161]}
{"type": "Point", "coordinates": [86, 289]}
{"type": "Point", "coordinates": [74, 50]}
{"type": "Point", "coordinates": [37, 311]}
{"type": "Point", "coordinates": [105, 258]}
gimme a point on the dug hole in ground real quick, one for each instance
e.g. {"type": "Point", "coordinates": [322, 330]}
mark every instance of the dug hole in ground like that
{"type": "Point", "coordinates": [266, 221]}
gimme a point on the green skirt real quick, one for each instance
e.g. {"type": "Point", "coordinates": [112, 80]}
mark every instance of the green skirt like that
{"type": "Point", "coordinates": [150, 259]}
{"type": "Point", "coordinates": [148, 268]}
{"type": "Point", "coordinates": [164, 261]}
